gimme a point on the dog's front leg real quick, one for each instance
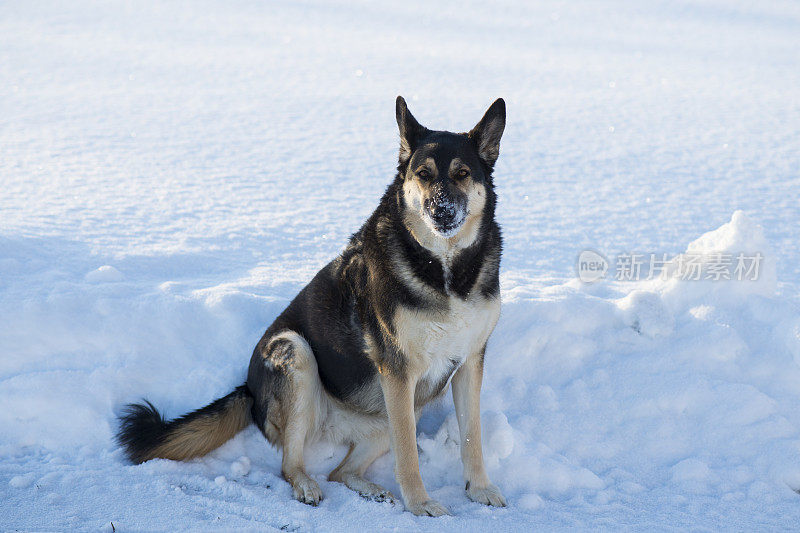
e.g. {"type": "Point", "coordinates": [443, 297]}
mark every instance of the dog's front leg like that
{"type": "Point", "coordinates": [398, 393]}
{"type": "Point", "coordinates": [467, 399]}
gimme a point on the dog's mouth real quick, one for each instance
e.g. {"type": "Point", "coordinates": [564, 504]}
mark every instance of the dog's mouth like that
{"type": "Point", "coordinates": [444, 215]}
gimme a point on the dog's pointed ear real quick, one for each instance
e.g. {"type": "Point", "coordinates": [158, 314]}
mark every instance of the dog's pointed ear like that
{"type": "Point", "coordinates": [410, 129]}
{"type": "Point", "coordinates": [489, 130]}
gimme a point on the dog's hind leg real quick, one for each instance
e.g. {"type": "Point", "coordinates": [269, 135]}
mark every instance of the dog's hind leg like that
{"type": "Point", "coordinates": [289, 355]}
{"type": "Point", "coordinates": [350, 471]}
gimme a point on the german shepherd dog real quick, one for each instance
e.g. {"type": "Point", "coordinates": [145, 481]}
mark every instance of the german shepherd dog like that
{"type": "Point", "coordinates": [379, 332]}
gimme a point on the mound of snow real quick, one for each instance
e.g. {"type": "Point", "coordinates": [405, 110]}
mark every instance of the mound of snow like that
{"type": "Point", "coordinates": [646, 313]}
{"type": "Point", "coordinates": [728, 263]}
{"type": "Point", "coordinates": [104, 274]}
{"type": "Point", "coordinates": [498, 437]}
{"type": "Point", "coordinates": [240, 467]}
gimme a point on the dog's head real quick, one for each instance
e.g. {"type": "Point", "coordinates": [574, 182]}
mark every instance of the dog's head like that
{"type": "Point", "coordinates": [446, 177]}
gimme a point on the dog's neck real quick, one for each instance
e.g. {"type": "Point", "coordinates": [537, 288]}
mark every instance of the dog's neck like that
{"type": "Point", "coordinates": [443, 248]}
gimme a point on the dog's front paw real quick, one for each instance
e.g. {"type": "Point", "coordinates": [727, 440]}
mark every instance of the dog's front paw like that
{"type": "Point", "coordinates": [428, 508]}
{"type": "Point", "coordinates": [487, 495]}
{"type": "Point", "coordinates": [306, 490]}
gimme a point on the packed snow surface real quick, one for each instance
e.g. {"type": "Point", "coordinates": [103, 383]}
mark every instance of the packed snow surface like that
{"type": "Point", "coordinates": [173, 173]}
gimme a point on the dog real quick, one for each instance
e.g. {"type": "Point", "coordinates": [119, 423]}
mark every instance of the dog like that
{"type": "Point", "coordinates": [404, 311]}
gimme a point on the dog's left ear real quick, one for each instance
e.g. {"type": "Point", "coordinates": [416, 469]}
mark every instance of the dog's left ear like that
{"type": "Point", "coordinates": [410, 129]}
{"type": "Point", "coordinates": [489, 130]}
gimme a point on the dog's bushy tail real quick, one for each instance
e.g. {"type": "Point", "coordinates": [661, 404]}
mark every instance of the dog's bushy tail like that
{"type": "Point", "coordinates": [145, 434]}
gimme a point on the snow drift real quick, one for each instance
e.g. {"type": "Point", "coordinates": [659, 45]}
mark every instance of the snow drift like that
{"type": "Point", "coordinates": [683, 389]}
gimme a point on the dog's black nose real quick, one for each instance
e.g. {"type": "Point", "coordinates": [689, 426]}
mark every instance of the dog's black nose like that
{"type": "Point", "coordinates": [442, 212]}
{"type": "Point", "coordinates": [446, 210]}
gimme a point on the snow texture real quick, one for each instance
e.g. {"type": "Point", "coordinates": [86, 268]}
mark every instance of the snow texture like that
{"type": "Point", "coordinates": [173, 173]}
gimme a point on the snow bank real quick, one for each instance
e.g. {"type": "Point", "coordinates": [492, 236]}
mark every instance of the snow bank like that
{"type": "Point", "coordinates": [590, 403]}
{"type": "Point", "coordinates": [750, 266]}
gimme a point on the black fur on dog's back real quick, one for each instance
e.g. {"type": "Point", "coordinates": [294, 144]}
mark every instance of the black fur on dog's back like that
{"type": "Point", "coordinates": [145, 434]}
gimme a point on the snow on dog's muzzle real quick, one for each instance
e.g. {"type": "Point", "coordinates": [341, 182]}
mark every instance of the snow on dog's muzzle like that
{"type": "Point", "coordinates": [445, 212]}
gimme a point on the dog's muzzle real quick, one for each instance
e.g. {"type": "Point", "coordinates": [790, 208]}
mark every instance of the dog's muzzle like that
{"type": "Point", "coordinates": [446, 213]}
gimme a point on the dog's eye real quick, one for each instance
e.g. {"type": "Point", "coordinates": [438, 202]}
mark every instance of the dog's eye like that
{"type": "Point", "coordinates": [463, 173]}
{"type": "Point", "coordinates": [424, 174]}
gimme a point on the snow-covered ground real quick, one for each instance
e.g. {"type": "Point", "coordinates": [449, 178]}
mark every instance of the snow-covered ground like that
{"type": "Point", "coordinates": [172, 173]}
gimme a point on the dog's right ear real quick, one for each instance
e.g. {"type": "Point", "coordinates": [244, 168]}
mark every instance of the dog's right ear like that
{"type": "Point", "coordinates": [489, 130]}
{"type": "Point", "coordinates": [410, 129]}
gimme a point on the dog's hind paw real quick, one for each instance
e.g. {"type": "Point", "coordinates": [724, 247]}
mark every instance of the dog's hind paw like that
{"type": "Point", "coordinates": [428, 508]}
{"type": "Point", "coordinates": [488, 495]}
{"type": "Point", "coordinates": [365, 489]}
{"type": "Point", "coordinates": [377, 493]}
{"type": "Point", "coordinates": [306, 490]}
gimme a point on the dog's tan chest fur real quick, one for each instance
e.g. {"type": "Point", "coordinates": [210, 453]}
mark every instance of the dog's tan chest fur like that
{"type": "Point", "coordinates": [437, 342]}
